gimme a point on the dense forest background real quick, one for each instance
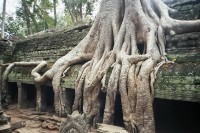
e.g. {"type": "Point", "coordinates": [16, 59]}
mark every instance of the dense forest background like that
{"type": "Point", "coordinates": [33, 16]}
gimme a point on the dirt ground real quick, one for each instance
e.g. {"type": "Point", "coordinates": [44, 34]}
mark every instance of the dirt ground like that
{"type": "Point", "coordinates": [34, 122]}
{"type": "Point", "coordinates": [46, 122]}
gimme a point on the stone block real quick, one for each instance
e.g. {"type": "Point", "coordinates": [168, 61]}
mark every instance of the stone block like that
{"type": "Point", "coordinates": [40, 98]}
{"type": "Point", "coordinates": [22, 95]}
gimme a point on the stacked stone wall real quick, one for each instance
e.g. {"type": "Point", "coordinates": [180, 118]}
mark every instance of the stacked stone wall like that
{"type": "Point", "coordinates": [49, 47]}
{"type": "Point", "coordinates": [188, 9]}
{"type": "Point", "coordinates": [175, 81]}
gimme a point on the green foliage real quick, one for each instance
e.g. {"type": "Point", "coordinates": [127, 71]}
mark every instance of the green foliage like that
{"type": "Point", "coordinates": [89, 8]}
{"type": "Point", "coordinates": [13, 26]}
{"type": "Point", "coordinates": [46, 5]}
{"type": "Point", "coordinates": [33, 16]}
{"type": "Point", "coordinates": [35, 13]}
{"type": "Point", "coordinates": [78, 10]}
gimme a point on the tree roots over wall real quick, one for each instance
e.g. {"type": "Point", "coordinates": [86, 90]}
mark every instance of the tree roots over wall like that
{"type": "Point", "coordinates": [113, 41]}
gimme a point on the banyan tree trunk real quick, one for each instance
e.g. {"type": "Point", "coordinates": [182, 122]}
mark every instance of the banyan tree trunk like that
{"type": "Point", "coordinates": [114, 41]}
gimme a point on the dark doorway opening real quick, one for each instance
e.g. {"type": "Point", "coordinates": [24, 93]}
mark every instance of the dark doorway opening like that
{"type": "Point", "coordinates": [141, 48]}
{"type": "Point", "coordinates": [30, 95]}
{"type": "Point", "coordinates": [12, 93]}
{"type": "Point", "coordinates": [176, 116]}
{"type": "Point", "coordinates": [118, 115]}
{"type": "Point", "coordinates": [47, 99]}
{"type": "Point", "coordinates": [69, 98]}
{"type": "Point", "coordinates": [49, 96]}
{"type": "Point", "coordinates": [118, 119]}
{"type": "Point", "coordinates": [170, 116]}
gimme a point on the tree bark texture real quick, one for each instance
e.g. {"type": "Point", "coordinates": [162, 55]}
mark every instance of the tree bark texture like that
{"type": "Point", "coordinates": [55, 14]}
{"type": "Point", "coordinates": [113, 43]}
{"type": "Point", "coordinates": [3, 19]}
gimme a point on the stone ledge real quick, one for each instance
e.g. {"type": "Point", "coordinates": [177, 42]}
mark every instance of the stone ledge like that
{"type": "Point", "coordinates": [174, 81]}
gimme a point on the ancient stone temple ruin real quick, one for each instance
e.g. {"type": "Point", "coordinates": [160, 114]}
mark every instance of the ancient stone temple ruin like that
{"type": "Point", "coordinates": [177, 87]}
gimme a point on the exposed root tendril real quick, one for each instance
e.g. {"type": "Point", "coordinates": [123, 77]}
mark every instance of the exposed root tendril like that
{"type": "Point", "coordinates": [113, 42]}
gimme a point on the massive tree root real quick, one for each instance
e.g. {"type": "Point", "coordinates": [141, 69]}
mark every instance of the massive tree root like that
{"type": "Point", "coordinates": [4, 85]}
{"type": "Point", "coordinates": [112, 41]}
{"type": "Point", "coordinates": [7, 71]}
